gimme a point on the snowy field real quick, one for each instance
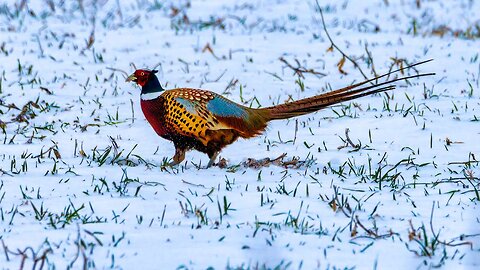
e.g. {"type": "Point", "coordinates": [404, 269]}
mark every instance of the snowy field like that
{"type": "Point", "coordinates": [81, 178]}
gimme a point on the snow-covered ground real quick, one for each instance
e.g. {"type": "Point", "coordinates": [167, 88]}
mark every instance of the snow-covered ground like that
{"type": "Point", "coordinates": [81, 183]}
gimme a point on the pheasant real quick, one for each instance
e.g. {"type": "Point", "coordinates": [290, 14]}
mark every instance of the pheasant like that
{"type": "Point", "coordinates": [207, 122]}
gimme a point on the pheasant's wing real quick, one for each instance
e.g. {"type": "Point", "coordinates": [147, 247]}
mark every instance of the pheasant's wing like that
{"type": "Point", "coordinates": [247, 121]}
{"type": "Point", "coordinates": [192, 112]}
{"type": "Point", "coordinates": [218, 112]}
{"type": "Point", "coordinates": [183, 113]}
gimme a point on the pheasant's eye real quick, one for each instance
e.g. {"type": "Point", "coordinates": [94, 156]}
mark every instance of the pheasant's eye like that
{"type": "Point", "coordinates": [142, 74]}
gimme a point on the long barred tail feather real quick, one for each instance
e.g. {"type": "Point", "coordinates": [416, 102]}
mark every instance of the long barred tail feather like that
{"type": "Point", "coordinates": [315, 103]}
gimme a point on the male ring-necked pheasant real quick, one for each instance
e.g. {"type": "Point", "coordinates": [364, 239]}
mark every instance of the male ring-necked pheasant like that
{"type": "Point", "coordinates": [205, 121]}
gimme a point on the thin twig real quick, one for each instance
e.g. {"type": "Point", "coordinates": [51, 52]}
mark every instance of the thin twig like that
{"type": "Point", "coordinates": [347, 130]}
{"type": "Point", "coordinates": [299, 70]}
{"type": "Point", "coordinates": [5, 249]}
{"type": "Point", "coordinates": [335, 45]}
{"type": "Point", "coordinates": [370, 232]}
{"type": "Point", "coordinates": [118, 70]}
{"type": "Point", "coordinates": [370, 59]}
{"type": "Point", "coordinates": [192, 184]}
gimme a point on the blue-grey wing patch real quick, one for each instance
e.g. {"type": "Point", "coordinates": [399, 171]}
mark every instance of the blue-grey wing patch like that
{"type": "Point", "coordinates": [224, 108]}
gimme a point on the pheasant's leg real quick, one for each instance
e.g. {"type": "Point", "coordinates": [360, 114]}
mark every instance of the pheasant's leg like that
{"type": "Point", "coordinates": [178, 157]}
{"type": "Point", "coordinates": [212, 157]}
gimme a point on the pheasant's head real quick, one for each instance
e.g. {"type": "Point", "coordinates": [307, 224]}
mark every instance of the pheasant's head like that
{"type": "Point", "coordinates": [142, 76]}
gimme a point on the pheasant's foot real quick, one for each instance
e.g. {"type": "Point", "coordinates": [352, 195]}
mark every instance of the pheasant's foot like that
{"type": "Point", "coordinates": [178, 157]}
{"type": "Point", "coordinates": [172, 164]}
{"type": "Point", "coordinates": [212, 157]}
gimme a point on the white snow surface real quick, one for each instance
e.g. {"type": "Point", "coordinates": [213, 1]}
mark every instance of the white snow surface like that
{"type": "Point", "coordinates": [81, 183]}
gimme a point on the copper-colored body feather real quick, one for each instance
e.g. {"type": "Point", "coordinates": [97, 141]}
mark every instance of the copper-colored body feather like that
{"type": "Point", "coordinates": [205, 121]}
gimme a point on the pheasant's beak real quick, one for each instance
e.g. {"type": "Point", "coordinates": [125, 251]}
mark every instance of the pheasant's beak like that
{"type": "Point", "coordinates": [131, 78]}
